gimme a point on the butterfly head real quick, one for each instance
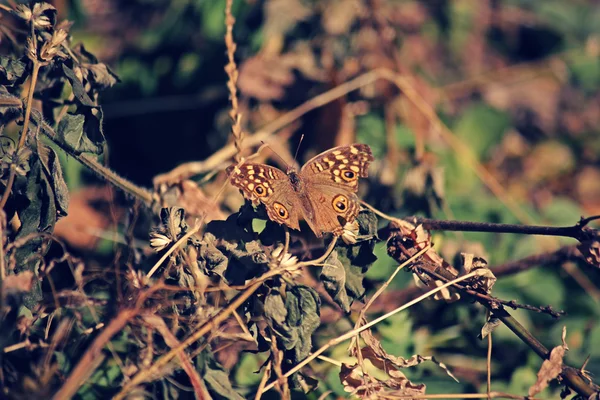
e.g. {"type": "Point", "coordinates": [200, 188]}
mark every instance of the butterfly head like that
{"type": "Point", "coordinates": [295, 180]}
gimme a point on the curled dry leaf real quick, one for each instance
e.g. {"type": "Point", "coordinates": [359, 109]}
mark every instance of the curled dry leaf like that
{"type": "Point", "coordinates": [550, 368]}
{"type": "Point", "coordinates": [374, 352]}
{"type": "Point", "coordinates": [489, 327]}
{"type": "Point", "coordinates": [406, 241]}
{"type": "Point", "coordinates": [485, 278]}
{"type": "Point", "coordinates": [447, 294]}
{"type": "Point", "coordinates": [591, 252]}
{"type": "Point", "coordinates": [350, 233]}
{"type": "Point", "coordinates": [368, 387]}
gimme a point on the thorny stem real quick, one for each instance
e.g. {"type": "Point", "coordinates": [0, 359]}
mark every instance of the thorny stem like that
{"type": "Point", "coordinates": [572, 376]}
{"type": "Point", "coordinates": [13, 167]}
{"type": "Point", "coordinates": [443, 274]}
{"type": "Point", "coordinates": [107, 174]}
{"type": "Point", "coordinates": [567, 253]}
{"type": "Point", "coordinates": [576, 231]}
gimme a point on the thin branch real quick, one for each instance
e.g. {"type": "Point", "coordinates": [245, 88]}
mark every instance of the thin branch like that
{"type": "Point", "coordinates": [354, 332]}
{"type": "Point", "coordinates": [576, 231]}
{"type": "Point", "coordinates": [83, 367]}
{"type": "Point", "coordinates": [558, 257]}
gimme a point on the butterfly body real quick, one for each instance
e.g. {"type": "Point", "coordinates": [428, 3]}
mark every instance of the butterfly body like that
{"type": "Point", "coordinates": [323, 192]}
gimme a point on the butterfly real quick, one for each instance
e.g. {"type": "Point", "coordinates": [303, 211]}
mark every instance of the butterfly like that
{"type": "Point", "coordinates": [323, 192]}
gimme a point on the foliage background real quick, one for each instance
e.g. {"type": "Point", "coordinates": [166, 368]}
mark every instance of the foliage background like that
{"type": "Point", "coordinates": [516, 81]}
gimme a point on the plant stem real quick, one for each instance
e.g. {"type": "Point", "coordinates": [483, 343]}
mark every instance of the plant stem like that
{"type": "Point", "coordinates": [13, 168]}
{"type": "Point", "coordinates": [575, 232]}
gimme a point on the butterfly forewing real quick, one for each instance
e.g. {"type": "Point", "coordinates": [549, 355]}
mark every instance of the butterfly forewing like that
{"type": "Point", "coordinates": [341, 165]}
{"type": "Point", "coordinates": [270, 186]}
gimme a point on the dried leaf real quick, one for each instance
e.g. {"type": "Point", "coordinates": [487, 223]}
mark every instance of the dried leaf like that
{"type": "Point", "coordinates": [374, 352]}
{"type": "Point", "coordinates": [549, 370]}
{"type": "Point", "coordinates": [339, 15]}
{"type": "Point", "coordinates": [78, 89]}
{"type": "Point", "coordinates": [346, 266]}
{"type": "Point", "coordinates": [485, 277]}
{"type": "Point", "coordinates": [489, 327]}
{"type": "Point", "coordinates": [368, 387]}
{"type": "Point", "coordinates": [11, 70]}
{"type": "Point", "coordinates": [81, 133]}
{"type": "Point", "coordinates": [591, 252]}
{"type": "Point", "coordinates": [100, 76]}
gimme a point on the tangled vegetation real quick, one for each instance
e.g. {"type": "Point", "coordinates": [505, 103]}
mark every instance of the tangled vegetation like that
{"type": "Point", "coordinates": [477, 219]}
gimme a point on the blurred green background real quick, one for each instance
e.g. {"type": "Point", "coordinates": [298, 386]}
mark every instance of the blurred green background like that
{"type": "Point", "coordinates": [517, 81]}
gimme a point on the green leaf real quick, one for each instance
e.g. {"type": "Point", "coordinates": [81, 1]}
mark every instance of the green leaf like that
{"type": "Point", "coordinates": [216, 378]}
{"type": "Point", "coordinates": [81, 133]}
{"type": "Point", "coordinates": [11, 70]}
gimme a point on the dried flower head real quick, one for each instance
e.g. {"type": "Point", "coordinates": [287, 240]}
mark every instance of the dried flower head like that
{"type": "Point", "coordinates": [52, 48]}
{"type": "Point", "coordinates": [43, 15]}
{"type": "Point", "coordinates": [158, 241]}
{"type": "Point", "coordinates": [350, 234]}
{"type": "Point", "coordinates": [286, 261]}
{"type": "Point", "coordinates": [137, 279]}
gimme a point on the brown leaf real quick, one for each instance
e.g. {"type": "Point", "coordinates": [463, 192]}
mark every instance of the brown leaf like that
{"type": "Point", "coordinates": [591, 252]}
{"type": "Point", "coordinates": [88, 217]}
{"type": "Point", "coordinates": [368, 387]}
{"type": "Point", "coordinates": [550, 368]}
{"type": "Point", "coordinates": [375, 353]}
{"type": "Point", "coordinates": [14, 284]}
{"type": "Point", "coordinates": [189, 196]}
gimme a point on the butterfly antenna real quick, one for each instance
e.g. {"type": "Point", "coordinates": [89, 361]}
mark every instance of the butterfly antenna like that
{"type": "Point", "coordinates": [298, 148]}
{"type": "Point", "coordinates": [287, 166]}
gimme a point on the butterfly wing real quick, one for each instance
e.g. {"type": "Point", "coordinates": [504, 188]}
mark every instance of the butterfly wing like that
{"type": "Point", "coordinates": [269, 186]}
{"type": "Point", "coordinates": [331, 181]}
